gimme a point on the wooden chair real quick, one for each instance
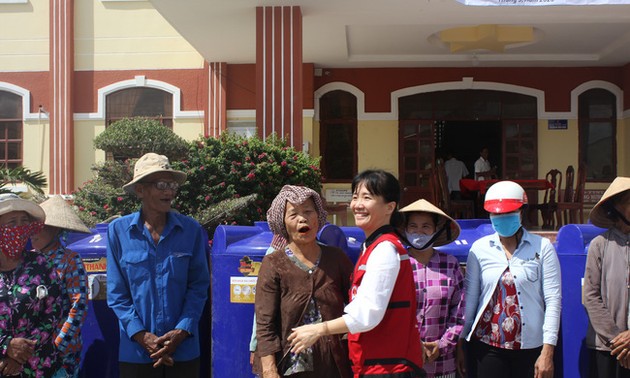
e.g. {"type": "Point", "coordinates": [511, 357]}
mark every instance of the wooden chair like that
{"type": "Point", "coordinates": [458, 209]}
{"type": "Point", "coordinates": [550, 202]}
{"type": "Point", "coordinates": [575, 206]}
{"type": "Point", "coordinates": [565, 196]}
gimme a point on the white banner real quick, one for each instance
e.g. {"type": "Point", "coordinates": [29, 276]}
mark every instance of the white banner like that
{"type": "Point", "coordinates": [542, 2]}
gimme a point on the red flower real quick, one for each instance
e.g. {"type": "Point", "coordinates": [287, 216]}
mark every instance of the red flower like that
{"type": "Point", "coordinates": [284, 163]}
{"type": "Point", "coordinates": [119, 199]}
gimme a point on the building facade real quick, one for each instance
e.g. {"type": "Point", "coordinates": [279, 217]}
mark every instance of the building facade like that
{"type": "Point", "coordinates": [68, 68]}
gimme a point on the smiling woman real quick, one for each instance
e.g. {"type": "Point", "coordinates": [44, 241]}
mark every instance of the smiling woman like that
{"type": "Point", "coordinates": [380, 320]}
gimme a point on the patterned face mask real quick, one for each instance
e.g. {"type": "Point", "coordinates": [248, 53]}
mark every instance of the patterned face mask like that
{"type": "Point", "coordinates": [14, 239]}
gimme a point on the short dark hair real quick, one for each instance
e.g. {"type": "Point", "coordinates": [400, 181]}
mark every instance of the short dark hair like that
{"type": "Point", "coordinates": [381, 183]}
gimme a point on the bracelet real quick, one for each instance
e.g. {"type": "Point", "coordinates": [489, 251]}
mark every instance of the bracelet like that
{"type": "Point", "coordinates": [326, 331]}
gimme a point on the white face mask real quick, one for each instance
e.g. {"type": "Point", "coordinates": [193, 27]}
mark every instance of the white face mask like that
{"type": "Point", "coordinates": [420, 241]}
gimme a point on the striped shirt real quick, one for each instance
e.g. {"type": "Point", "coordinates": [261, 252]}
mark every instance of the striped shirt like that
{"type": "Point", "coordinates": [440, 313]}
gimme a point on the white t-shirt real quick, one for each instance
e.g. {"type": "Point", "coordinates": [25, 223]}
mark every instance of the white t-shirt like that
{"type": "Point", "coordinates": [368, 307]}
{"type": "Point", "coordinates": [455, 170]}
{"type": "Point", "coordinates": [482, 165]}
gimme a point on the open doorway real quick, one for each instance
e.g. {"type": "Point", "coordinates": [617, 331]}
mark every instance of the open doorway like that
{"type": "Point", "coordinates": [466, 138]}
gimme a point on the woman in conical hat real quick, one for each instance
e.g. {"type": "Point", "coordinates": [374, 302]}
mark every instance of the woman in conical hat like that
{"type": "Point", "coordinates": [606, 280]}
{"type": "Point", "coordinates": [439, 285]}
{"type": "Point", "coordinates": [60, 219]}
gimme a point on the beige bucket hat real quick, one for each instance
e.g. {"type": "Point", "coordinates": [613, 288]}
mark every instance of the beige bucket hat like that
{"type": "Point", "coordinates": [61, 215]}
{"type": "Point", "coordinates": [149, 164]}
{"type": "Point", "coordinates": [599, 215]}
{"type": "Point", "coordinates": [426, 206]}
{"type": "Point", "coordinates": [10, 202]}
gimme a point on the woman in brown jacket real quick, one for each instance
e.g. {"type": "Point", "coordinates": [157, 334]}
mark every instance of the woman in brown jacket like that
{"type": "Point", "coordinates": [303, 284]}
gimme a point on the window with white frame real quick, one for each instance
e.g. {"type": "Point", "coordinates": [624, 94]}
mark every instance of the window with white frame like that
{"type": "Point", "coordinates": [11, 126]}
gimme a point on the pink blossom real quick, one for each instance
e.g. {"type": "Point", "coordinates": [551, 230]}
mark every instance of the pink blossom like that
{"type": "Point", "coordinates": [207, 198]}
{"type": "Point", "coordinates": [119, 199]}
{"type": "Point", "coordinates": [284, 163]}
{"type": "Point", "coordinates": [251, 176]}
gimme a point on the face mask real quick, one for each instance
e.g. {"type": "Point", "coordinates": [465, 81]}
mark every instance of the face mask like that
{"type": "Point", "coordinates": [419, 241]}
{"type": "Point", "coordinates": [13, 239]}
{"type": "Point", "coordinates": [506, 225]}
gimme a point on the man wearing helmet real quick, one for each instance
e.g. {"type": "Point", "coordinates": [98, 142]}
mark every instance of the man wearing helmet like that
{"type": "Point", "coordinates": [513, 293]}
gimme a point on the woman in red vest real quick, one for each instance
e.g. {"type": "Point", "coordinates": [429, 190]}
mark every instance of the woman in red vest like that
{"type": "Point", "coordinates": [380, 320]}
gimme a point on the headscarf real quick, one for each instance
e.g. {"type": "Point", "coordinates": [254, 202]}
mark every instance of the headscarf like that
{"type": "Point", "coordinates": [296, 195]}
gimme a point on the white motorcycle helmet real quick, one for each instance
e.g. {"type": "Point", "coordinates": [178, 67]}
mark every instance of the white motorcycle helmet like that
{"type": "Point", "coordinates": [504, 197]}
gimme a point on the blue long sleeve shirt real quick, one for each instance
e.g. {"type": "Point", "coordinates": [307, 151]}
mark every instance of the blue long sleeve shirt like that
{"type": "Point", "coordinates": [157, 287]}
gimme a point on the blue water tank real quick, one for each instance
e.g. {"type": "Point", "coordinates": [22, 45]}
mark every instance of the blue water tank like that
{"type": "Point", "coordinates": [471, 231]}
{"type": "Point", "coordinates": [237, 253]}
{"type": "Point", "coordinates": [572, 245]}
{"type": "Point", "coordinates": [99, 357]}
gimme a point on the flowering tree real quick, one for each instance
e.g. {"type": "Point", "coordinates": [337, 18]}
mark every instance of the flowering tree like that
{"type": "Point", "coordinates": [219, 171]}
{"type": "Point", "coordinates": [233, 166]}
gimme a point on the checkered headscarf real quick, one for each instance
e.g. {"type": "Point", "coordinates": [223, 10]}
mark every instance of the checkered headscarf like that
{"type": "Point", "coordinates": [296, 195]}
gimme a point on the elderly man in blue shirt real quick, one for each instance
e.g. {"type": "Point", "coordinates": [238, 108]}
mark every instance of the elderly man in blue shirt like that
{"type": "Point", "coordinates": [157, 277]}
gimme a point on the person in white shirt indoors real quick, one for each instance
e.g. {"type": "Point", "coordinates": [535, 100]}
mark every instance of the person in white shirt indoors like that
{"type": "Point", "coordinates": [483, 170]}
{"type": "Point", "coordinates": [455, 171]}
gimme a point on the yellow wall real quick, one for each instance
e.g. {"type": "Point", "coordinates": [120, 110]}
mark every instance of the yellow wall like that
{"type": "Point", "coordinates": [128, 35]}
{"type": "Point", "coordinates": [24, 37]}
{"type": "Point", "coordinates": [85, 155]}
{"type": "Point", "coordinates": [189, 129]}
{"type": "Point", "coordinates": [378, 145]}
{"type": "Point", "coordinates": [36, 149]}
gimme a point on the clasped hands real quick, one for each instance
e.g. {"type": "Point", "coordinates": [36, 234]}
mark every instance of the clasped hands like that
{"type": "Point", "coordinates": [161, 348]}
{"type": "Point", "coordinates": [19, 351]}
{"type": "Point", "coordinates": [619, 347]}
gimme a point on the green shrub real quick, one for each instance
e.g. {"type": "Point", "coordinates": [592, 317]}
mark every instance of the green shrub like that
{"type": "Point", "coordinates": [103, 197]}
{"type": "Point", "coordinates": [233, 166]}
{"type": "Point", "coordinates": [134, 137]}
{"type": "Point", "coordinates": [220, 172]}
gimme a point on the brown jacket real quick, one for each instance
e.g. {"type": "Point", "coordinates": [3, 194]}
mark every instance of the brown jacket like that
{"type": "Point", "coordinates": [283, 292]}
{"type": "Point", "coordinates": [606, 288]}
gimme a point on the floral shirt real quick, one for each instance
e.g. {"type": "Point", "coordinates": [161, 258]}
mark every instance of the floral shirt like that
{"type": "Point", "coordinates": [500, 325]}
{"type": "Point", "coordinates": [30, 307]}
{"type": "Point", "coordinates": [74, 290]}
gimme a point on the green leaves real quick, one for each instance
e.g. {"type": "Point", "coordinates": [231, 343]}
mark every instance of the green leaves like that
{"type": "Point", "coordinates": [34, 180]}
{"type": "Point", "coordinates": [231, 180]}
{"type": "Point", "coordinates": [134, 137]}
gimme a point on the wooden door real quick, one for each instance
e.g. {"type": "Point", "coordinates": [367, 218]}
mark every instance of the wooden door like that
{"type": "Point", "coordinates": [520, 152]}
{"type": "Point", "coordinates": [416, 146]}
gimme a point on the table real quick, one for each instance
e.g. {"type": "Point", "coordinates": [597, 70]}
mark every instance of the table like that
{"type": "Point", "coordinates": [469, 186]}
{"type": "Point", "coordinates": [477, 189]}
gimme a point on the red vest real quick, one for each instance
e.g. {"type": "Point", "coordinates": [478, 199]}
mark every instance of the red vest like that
{"type": "Point", "coordinates": [393, 346]}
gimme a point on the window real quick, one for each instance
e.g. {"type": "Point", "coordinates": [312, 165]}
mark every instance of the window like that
{"type": "Point", "coordinates": [10, 130]}
{"type": "Point", "coordinates": [140, 102]}
{"type": "Point", "coordinates": [245, 129]}
{"type": "Point", "coordinates": [597, 119]}
{"type": "Point", "coordinates": [338, 136]}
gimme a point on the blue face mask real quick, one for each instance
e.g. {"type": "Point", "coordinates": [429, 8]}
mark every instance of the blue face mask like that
{"type": "Point", "coordinates": [506, 225]}
{"type": "Point", "coordinates": [419, 241]}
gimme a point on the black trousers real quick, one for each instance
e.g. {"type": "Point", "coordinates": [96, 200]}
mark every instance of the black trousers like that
{"type": "Point", "coordinates": [181, 369]}
{"type": "Point", "coordinates": [495, 362]}
{"type": "Point", "coordinates": [605, 365]}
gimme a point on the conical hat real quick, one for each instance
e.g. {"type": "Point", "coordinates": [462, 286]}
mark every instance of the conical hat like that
{"type": "Point", "coordinates": [426, 206]}
{"type": "Point", "coordinates": [61, 215]}
{"type": "Point", "coordinates": [599, 215]}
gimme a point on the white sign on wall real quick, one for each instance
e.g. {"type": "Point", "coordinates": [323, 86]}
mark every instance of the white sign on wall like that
{"type": "Point", "coordinates": [338, 195]}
